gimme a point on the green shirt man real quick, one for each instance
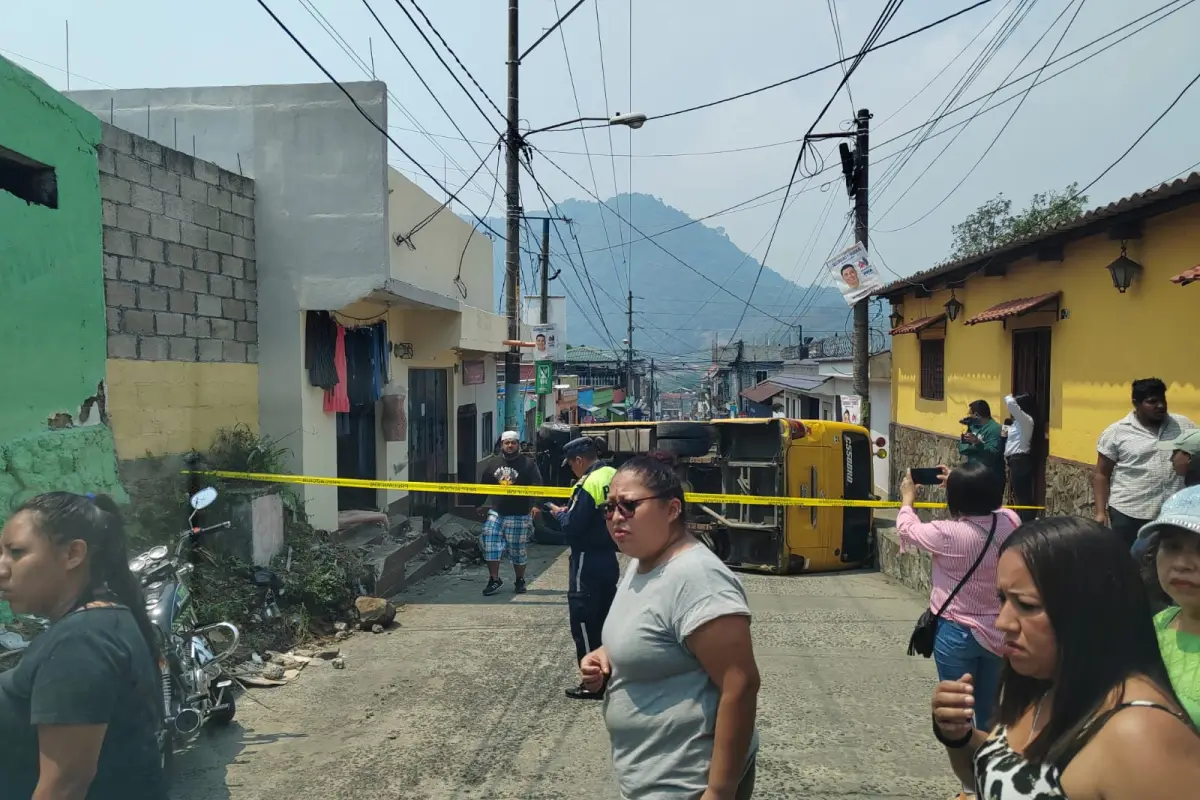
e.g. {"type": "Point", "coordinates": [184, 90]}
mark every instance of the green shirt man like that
{"type": "Point", "coordinates": [983, 442]}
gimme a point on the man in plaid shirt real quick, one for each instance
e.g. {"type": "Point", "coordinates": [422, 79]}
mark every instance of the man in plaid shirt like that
{"type": "Point", "coordinates": [508, 526]}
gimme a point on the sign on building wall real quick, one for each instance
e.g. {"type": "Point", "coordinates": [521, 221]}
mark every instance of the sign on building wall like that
{"type": "Point", "coordinates": [853, 274]}
{"type": "Point", "coordinates": [544, 379]}
{"type": "Point", "coordinates": [473, 373]}
{"type": "Point", "coordinates": [851, 408]}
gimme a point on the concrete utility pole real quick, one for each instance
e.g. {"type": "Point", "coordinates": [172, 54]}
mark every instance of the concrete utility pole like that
{"type": "Point", "coordinates": [629, 352]}
{"type": "Point", "coordinates": [548, 404]}
{"type": "Point", "coordinates": [652, 390]}
{"type": "Point", "coordinates": [544, 315]}
{"type": "Point", "coordinates": [862, 363]}
{"type": "Point", "coordinates": [512, 232]}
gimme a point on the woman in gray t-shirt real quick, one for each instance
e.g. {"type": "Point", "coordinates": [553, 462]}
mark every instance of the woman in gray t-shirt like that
{"type": "Point", "coordinates": [677, 665]}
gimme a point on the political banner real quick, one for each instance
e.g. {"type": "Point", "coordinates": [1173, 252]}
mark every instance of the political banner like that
{"type": "Point", "coordinates": [853, 274]}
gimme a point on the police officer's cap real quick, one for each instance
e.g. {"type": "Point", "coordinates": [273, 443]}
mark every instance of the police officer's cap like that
{"type": "Point", "coordinates": [582, 446]}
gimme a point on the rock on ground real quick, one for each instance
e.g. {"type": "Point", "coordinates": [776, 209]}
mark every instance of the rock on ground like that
{"type": "Point", "coordinates": [374, 611]}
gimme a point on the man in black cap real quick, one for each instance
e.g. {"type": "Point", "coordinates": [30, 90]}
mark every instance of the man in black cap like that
{"type": "Point", "coordinates": [594, 567]}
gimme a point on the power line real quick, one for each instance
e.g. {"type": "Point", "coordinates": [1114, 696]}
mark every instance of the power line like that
{"type": "Point", "coordinates": [369, 71]}
{"type": "Point", "coordinates": [886, 16]}
{"type": "Point", "coordinates": [818, 70]}
{"type": "Point", "coordinates": [1143, 135]}
{"type": "Point", "coordinates": [1007, 122]}
{"type": "Point", "coordinates": [367, 116]}
{"type": "Point", "coordinates": [583, 133]}
{"type": "Point", "coordinates": [633, 227]}
{"type": "Point", "coordinates": [454, 55]}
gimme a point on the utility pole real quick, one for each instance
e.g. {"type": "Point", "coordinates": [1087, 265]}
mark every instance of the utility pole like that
{"type": "Point", "coordinates": [512, 254]}
{"type": "Point", "coordinates": [545, 294]}
{"type": "Point", "coordinates": [547, 402]}
{"type": "Point", "coordinates": [652, 414]}
{"type": "Point", "coordinates": [629, 351]}
{"type": "Point", "coordinates": [862, 363]}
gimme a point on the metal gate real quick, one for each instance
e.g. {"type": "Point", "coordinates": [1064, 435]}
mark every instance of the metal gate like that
{"type": "Point", "coordinates": [428, 439]}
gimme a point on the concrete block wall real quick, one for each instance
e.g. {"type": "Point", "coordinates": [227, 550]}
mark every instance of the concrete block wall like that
{"type": "Point", "coordinates": [179, 260]}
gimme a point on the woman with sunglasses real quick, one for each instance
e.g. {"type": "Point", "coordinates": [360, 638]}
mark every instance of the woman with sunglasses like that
{"type": "Point", "coordinates": [677, 661]}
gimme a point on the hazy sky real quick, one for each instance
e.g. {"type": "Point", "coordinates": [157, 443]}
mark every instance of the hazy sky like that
{"type": "Point", "coordinates": [685, 53]}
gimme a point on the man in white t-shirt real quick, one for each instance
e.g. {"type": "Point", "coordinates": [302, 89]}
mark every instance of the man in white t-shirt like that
{"type": "Point", "coordinates": [1133, 473]}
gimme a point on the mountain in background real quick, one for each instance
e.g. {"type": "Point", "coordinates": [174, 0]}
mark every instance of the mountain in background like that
{"type": "Point", "coordinates": [677, 311]}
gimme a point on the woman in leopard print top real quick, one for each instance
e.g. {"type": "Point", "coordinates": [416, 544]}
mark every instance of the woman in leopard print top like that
{"type": "Point", "coordinates": [1086, 710]}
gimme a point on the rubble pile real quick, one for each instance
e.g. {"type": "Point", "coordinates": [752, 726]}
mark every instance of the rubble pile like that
{"type": "Point", "coordinates": [460, 535]}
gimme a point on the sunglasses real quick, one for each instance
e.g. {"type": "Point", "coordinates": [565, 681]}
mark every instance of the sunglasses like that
{"type": "Point", "coordinates": [628, 507]}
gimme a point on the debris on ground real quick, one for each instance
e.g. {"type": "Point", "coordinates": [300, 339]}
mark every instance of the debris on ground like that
{"type": "Point", "coordinates": [374, 611]}
{"type": "Point", "coordinates": [339, 663]}
{"type": "Point", "coordinates": [460, 535]}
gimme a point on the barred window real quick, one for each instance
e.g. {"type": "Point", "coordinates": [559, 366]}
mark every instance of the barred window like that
{"type": "Point", "coordinates": [933, 375]}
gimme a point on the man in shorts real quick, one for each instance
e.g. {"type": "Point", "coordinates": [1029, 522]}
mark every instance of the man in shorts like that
{"type": "Point", "coordinates": [509, 525]}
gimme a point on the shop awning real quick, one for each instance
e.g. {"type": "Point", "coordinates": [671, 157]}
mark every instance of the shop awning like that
{"type": "Point", "coordinates": [1187, 276]}
{"type": "Point", "coordinates": [762, 392]}
{"type": "Point", "coordinates": [591, 410]}
{"type": "Point", "coordinates": [918, 325]}
{"type": "Point", "coordinates": [1014, 308]}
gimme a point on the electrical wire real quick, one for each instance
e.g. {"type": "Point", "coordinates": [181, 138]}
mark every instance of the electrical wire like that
{"type": "Point", "coordinates": [454, 55]}
{"type": "Point", "coordinates": [458, 281]}
{"type": "Point", "coordinates": [1143, 135]}
{"type": "Point", "coordinates": [819, 70]}
{"type": "Point", "coordinates": [641, 233]}
{"type": "Point", "coordinates": [367, 116]}
{"type": "Point", "coordinates": [583, 134]}
{"type": "Point", "coordinates": [886, 16]}
{"type": "Point", "coordinates": [369, 71]}
{"type": "Point", "coordinates": [466, 91]}
{"type": "Point", "coordinates": [1003, 128]}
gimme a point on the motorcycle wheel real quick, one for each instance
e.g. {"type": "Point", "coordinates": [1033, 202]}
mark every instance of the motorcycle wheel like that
{"type": "Point", "coordinates": [225, 716]}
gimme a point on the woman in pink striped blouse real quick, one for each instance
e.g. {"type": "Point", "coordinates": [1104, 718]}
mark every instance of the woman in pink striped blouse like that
{"type": "Point", "coordinates": [967, 640]}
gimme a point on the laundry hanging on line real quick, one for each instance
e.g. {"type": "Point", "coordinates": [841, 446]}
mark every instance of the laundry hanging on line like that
{"type": "Point", "coordinates": [352, 365]}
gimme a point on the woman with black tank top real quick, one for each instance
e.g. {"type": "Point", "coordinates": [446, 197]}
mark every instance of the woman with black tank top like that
{"type": "Point", "coordinates": [80, 712]}
{"type": "Point", "coordinates": [1086, 710]}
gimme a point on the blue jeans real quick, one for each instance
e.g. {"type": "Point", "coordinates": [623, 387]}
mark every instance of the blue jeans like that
{"type": "Point", "coordinates": [957, 653]}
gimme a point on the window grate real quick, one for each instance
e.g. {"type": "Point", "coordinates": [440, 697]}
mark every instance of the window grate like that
{"type": "Point", "coordinates": [933, 372]}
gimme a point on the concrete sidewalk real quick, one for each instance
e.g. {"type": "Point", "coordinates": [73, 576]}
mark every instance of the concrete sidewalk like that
{"type": "Point", "coordinates": [465, 701]}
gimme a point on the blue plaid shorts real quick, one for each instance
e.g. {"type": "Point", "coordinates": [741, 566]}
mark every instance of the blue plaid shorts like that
{"type": "Point", "coordinates": [507, 533]}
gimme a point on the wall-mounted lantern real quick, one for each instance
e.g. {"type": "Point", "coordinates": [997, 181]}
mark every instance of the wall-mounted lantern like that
{"type": "Point", "coordinates": [896, 318]}
{"type": "Point", "coordinates": [1123, 271]}
{"type": "Point", "coordinates": [953, 307]}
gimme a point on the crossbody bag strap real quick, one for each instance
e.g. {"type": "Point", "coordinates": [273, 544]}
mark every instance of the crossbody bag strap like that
{"type": "Point", "coordinates": [988, 543]}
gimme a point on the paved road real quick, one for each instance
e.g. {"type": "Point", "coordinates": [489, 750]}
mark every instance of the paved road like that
{"type": "Point", "coordinates": [465, 700]}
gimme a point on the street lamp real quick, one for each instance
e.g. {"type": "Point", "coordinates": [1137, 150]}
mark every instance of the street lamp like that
{"type": "Point", "coordinates": [633, 121]}
{"type": "Point", "coordinates": [953, 307]}
{"type": "Point", "coordinates": [896, 318]}
{"type": "Point", "coordinates": [1123, 270]}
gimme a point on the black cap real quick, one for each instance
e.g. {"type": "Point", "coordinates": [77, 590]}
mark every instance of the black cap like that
{"type": "Point", "coordinates": [579, 447]}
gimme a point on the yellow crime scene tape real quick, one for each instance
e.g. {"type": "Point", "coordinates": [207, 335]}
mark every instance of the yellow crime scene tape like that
{"type": "Point", "coordinates": [552, 492]}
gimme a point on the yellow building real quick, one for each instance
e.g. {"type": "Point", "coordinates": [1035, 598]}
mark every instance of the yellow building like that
{"type": "Point", "coordinates": [1071, 316]}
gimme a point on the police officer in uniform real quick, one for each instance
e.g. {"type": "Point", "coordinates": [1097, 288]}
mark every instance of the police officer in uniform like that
{"type": "Point", "coordinates": [594, 567]}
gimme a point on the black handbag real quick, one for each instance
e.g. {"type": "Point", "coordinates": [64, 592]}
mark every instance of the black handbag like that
{"type": "Point", "coordinates": [921, 641]}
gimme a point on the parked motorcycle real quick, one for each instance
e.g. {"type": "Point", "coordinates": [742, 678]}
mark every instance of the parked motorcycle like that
{"type": "Point", "coordinates": [195, 689]}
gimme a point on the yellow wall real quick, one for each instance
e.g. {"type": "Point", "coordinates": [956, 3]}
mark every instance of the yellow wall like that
{"type": "Point", "coordinates": [169, 407]}
{"type": "Point", "coordinates": [1108, 340]}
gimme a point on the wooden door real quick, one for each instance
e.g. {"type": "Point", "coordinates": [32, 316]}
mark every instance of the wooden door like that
{"type": "Point", "coordinates": [1031, 375]}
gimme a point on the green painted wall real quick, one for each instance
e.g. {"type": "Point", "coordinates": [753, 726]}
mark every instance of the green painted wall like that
{"type": "Point", "coordinates": [51, 269]}
{"type": "Point", "coordinates": [54, 336]}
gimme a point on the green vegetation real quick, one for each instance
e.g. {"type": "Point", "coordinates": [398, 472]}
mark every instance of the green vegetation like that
{"type": "Point", "coordinates": [994, 225]}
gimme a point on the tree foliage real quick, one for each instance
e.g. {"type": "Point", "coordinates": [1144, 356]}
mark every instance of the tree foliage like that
{"type": "Point", "coordinates": [993, 224]}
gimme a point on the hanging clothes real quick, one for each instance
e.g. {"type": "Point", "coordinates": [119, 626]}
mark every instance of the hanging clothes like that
{"type": "Point", "coordinates": [320, 340]}
{"type": "Point", "coordinates": [367, 364]}
{"type": "Point", "coordinates": [337, 398]}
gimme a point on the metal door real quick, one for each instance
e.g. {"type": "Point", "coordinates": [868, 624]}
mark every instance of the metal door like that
{"type": "Point", "coordinates": [428, 439]}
